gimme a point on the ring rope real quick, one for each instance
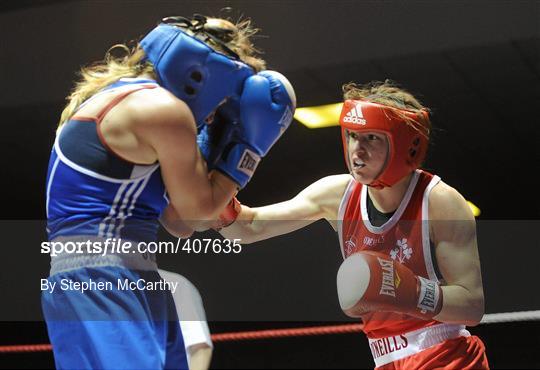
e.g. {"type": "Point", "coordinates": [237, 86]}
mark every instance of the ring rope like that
{"type": "Point", "coordinates": [295, 332]}
{"type": "Point", "coordinates": [494, 318]}
{"type": "Point", "coordinates": [292, 332]}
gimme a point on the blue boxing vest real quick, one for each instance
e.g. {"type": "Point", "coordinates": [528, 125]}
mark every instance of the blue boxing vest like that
{"type": "Point", "coordinates": [93, 192]}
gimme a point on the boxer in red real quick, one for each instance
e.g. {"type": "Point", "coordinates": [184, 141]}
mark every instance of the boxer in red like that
{"type": "Point", "coordinates": [411, 268]}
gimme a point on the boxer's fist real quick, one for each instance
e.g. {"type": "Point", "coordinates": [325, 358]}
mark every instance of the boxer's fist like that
{"type": "Point", "coordinates": [266, 110]}
{"type": "Point", "coordinates": [370, 281]}
{"type": "Point", "coordinates": [267, 107]}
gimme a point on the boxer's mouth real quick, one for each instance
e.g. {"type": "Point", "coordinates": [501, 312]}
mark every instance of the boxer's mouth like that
{"type": "Point", "coordinates": [357, 163]}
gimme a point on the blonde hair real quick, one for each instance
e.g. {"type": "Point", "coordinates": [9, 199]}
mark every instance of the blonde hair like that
{"type": "Point", "coordinates": [131, 61]}
{"type": "Point", "coordinates": [388, 93]}
{"type": "Point", "coordinates": [101, 74]}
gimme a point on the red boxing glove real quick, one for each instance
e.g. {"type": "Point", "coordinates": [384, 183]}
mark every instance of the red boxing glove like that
{"type": "Point", "coordinates": [229, 215]}
{"type": "Point", "coordinates": [371, 281]}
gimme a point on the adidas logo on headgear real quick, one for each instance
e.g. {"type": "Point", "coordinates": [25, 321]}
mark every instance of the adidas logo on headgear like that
{"type": "Point", "coordinates": [355, 115]}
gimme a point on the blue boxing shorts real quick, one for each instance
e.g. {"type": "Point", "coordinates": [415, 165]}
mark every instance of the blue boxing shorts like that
{"type": "Point", "coordinates": [112, 317]}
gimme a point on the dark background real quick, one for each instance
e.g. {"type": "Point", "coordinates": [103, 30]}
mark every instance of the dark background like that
{"type": "Point", "coordinates": [476, 64]}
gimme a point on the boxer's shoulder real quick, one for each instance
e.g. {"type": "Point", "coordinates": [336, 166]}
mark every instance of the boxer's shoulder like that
{"type": "Point", "coordinates": [327, 193]}
{"type": "Point", "coordinates": [445, 202]}
{"type": "Point", "coordinates": [450, 216]}
{"type": "Point", "coordinates": [157, 106]}
{"type": "Point", "coordinates": [134, 123]}
{"type": "Point", "coordinates": [329, 187]}
{"type": "Point", "coordinates": [336, 183]}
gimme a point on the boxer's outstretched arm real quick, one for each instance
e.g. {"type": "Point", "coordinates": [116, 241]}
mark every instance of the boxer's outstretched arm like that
{"type": "Point", "coordinates": [319, 200]}
{"type": "Point", "coordinates": [453, 230]}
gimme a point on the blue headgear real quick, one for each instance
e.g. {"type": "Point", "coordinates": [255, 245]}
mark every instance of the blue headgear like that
{"type": "Point", "coordinates": [194, 72]}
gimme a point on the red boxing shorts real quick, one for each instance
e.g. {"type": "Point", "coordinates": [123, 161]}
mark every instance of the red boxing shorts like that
{"type": "Point", "coordinates": [428, 348]}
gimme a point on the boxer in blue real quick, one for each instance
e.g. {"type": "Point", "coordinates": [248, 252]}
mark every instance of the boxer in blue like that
{"type": "Point", "coordinates": [135, 146]}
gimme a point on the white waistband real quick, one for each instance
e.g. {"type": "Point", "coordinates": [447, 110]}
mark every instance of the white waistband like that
{"type": "Point", "coordinates": [389, 349]}
{"type": "Point", "coordinates": [133, 260]}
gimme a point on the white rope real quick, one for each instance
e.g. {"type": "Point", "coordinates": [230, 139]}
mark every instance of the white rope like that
{"type": "Point", "coordinates": [510, 316]}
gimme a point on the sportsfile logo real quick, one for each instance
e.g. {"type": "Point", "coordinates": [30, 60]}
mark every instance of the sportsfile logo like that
{"type": "Point", "coordinates": [248, 162]}
{"type": "Point", "coordinates": [355, 115]}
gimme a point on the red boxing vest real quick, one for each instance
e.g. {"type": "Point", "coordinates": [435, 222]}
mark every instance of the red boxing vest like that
{"type": "Point", "coordinates": [404, 238]}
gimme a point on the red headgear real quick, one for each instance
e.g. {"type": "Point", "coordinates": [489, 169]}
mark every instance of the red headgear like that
{"type": "Point", "coordinates": [406, 131]}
